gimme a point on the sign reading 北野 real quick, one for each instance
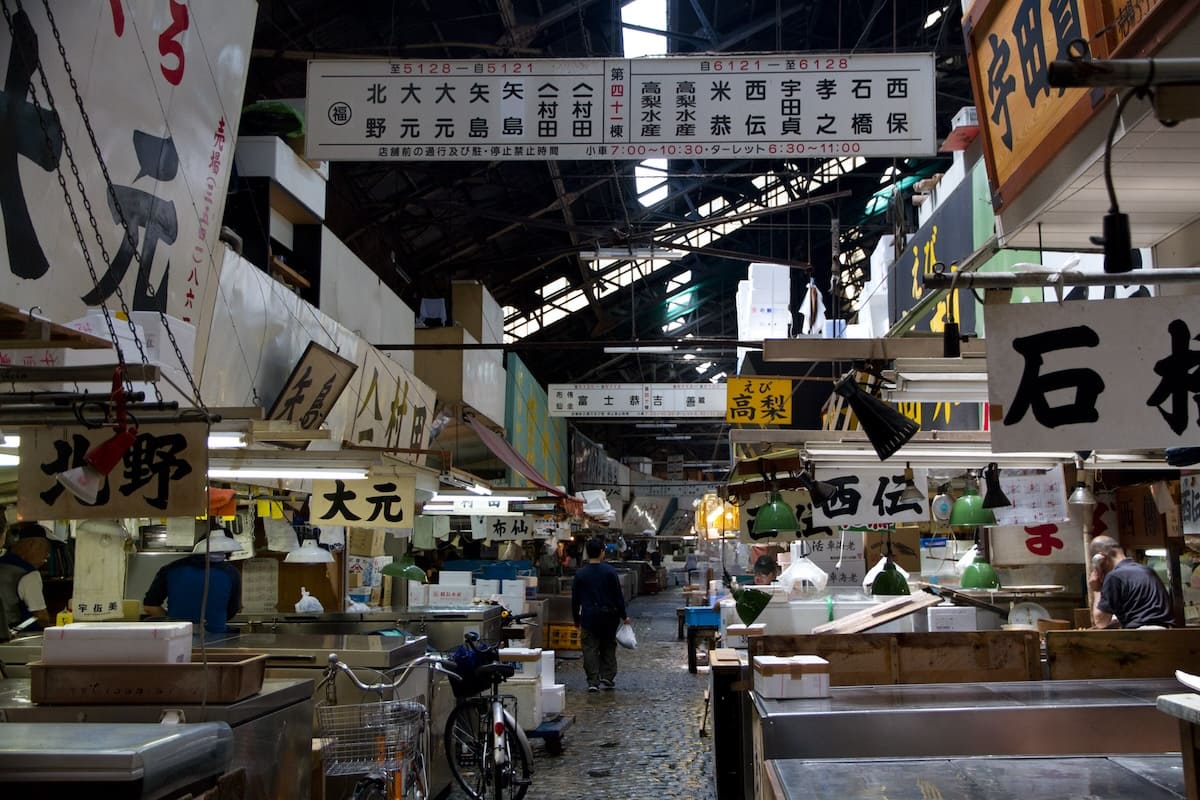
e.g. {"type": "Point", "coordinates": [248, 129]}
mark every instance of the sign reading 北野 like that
{"type": "Point", "coordinates": [383, 503]}
{"type": "Point", "coordinates": [161, 84]}
{"type": "Point", "coordinates": [1098, 375]}
{"type": "Point", "coordinates": [776, 105]}
{"type": "Point", "coordinates": [164, 473]}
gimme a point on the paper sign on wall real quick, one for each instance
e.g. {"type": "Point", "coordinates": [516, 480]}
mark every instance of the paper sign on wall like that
{"type": "Point", "coordinates": [1037, 497]}
{"type": "Point", "coordinates": [383, 503]}
{"type": "Point", "coordinates": [1047, 543]}
{"type": "Point", "coordinates": [1189, 502]}
{"type": "Point", "coordinates": [514, 529]}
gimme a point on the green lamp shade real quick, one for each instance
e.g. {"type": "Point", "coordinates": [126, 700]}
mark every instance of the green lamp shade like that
{"type": "Point", "coordinates": [749, 603]}
{"type": "Point", "coordinates": [889, 581]}
{"type": "Point", "coordinates": [404, 569]}
{"type": "Point", "coordinates": [968, 510]}
{"type": "Point", "coordinates": [980, 575]}
{"type": "Point", "coordinates": [774, 517]}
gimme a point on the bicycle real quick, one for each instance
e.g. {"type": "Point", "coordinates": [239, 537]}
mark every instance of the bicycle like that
{"type": "Point", "coordinates": [488, 752]}
{"type": "Point", "coordinates": [386, 741]}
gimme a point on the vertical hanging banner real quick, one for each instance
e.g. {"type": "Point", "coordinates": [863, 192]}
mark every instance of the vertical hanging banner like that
{"type": "Point", "coordinates": [164, 473]}
{"type": "Point", "coordinates": [392, 408]}
{"type": "Point", "coordinates": [161, 84]}
{"type": "Point", "coordinates": [383, 503]}
{"type": "Point", "coordinates": [1105, 374]}
{"type": "Point", "coordinates": [775, 105]}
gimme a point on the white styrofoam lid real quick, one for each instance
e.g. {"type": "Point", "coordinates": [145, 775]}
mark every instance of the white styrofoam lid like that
{"type": "Point", "coordinates": [120, 630]}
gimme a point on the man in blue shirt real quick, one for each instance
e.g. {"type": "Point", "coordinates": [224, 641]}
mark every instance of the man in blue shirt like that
{"type": "Point", "coordinates": [177, 589]}
{"type": "Point", "coordinates": [598, 606]}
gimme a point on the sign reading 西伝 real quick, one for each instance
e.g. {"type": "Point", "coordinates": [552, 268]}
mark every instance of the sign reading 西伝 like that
{"type": "Point", "coordinates": [162, 87]}
{"type": "Point", "coordinates": [1096, 375]}
{"type": "Point", "coordinates": [164, 473]}
{"type": "Point", "coordinates": [316, 383]}
{"type": "Point", "coordinates": [778, 105]}
{"type": "Point", "coordinates": [383, 503]}
{"type": "Point", "coordinates": [759, 401]}
{"type": "Point", "coordinates": [636, 399]}
{"type": "Point", "coordinates": [872, 497]}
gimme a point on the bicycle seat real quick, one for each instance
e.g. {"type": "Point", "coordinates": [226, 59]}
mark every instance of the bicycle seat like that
{"type": "Point", "coordinates": [488, 671]}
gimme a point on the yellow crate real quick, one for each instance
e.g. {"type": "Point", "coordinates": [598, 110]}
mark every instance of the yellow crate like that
{"type": "Point", "coordinates": [562, 637]}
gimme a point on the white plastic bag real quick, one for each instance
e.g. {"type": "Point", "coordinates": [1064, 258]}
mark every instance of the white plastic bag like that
{"type": "Point", "coordinates": [626, 637]}
{"type": "Point", "coordinates": [308, 604]}
{"type": "Point", "coordinates": [968, 558]}
{"type": "Point", "coordinates": [802, 575]}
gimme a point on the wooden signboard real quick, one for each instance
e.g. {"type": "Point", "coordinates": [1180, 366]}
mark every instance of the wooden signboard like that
{"type": "Point", "coordinates": [316, 383]}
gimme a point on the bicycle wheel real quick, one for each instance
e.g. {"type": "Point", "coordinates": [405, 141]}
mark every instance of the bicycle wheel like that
{"type": "Point", "coordinates": [466, 746]}
{"type": "Point", "coordinates": [510, 780]}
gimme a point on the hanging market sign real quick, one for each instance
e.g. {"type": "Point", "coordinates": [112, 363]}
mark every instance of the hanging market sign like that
{"type": "Point", "coordinates": [872, 497]}
{"type": "Point", "coordinates": [164, 473]}
{"type": "Point", "coordinates": [1189, 502]}
{"type": "Point", "coordinates": [759, 401]}
{"type": "Point", "coordinates": [776, 105]}
{"type": "Point", "coordinates": [629, 400]}
{"type": "Point", "coordinates": [156, 80]}
{"type": "Point", "coordinates": [392, 408]}
{"type": "Point", "coordinates": [1106, 374]}
{"type": "Point", "coordinates": [1047, 543]}
{"type": "Point", "coordinates": [384, 503]}
{"type": "Point", "coordinates": [316, 383]}
{"type": "Point", "coordinates": [500, 529]}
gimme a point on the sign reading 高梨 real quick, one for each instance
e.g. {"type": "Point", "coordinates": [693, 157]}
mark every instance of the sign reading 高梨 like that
{"type": "Point", "coordinates": [759, 401]}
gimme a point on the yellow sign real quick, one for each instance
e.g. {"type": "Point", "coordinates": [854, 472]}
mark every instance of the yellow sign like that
{"type": "Point", "coordinates": [759, 401]}
{"type": "Point", "coordinates": [1025, 121]}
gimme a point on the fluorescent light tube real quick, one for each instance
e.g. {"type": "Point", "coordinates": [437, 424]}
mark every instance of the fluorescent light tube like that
{"type": "Point", "coordinates": [288, 473]}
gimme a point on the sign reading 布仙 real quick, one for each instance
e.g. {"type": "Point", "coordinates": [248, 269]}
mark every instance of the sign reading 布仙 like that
{"type": "Point", "coordinates": [776, 105]}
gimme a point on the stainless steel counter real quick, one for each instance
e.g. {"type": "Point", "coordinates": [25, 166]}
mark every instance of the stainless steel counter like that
{"type": "Point", "coordinates": [286, 649]}
{"type": "Point", "coordinates": [1034, 718]}
{"type": "Point", "coordinates": [272, 730]}
{"type": "Point", "coordinates": [1136, 778]}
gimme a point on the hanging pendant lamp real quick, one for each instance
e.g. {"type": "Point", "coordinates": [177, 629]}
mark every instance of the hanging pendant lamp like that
{"type": "Point", "coordinates": [968, 510]}
{"type": "Point", "coordinates": [886, 428]}
{"type": "Point", "coordinates": [775, 517]}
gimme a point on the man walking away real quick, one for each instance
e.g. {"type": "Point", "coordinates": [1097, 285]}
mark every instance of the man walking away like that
{"type": "Point", "coordinates": [599, 609]}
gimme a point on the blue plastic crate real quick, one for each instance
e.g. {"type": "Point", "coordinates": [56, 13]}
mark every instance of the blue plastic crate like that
{"type": "Point", "coordinates": [701, 616]}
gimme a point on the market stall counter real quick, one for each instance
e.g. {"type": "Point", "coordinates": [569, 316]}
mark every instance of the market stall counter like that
{"type": "Point", "coordinates": [272, 730]}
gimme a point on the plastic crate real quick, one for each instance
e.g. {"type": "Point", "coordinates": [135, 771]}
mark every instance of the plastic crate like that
{"type": "Point", "coordinates": [701, 616]}
{"type": "Point", "coordinates": [563, 637]}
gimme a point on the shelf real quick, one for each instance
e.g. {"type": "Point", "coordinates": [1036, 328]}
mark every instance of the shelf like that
{"type": "Point", "coordinates": [20, 330]}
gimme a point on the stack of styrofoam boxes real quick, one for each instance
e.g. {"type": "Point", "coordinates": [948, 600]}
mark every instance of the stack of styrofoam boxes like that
{"type": "Point", "coordinates": [947, 617]}
{"type": "Point", "coordinates": [554, 695]}
{"type": "Point", "coordinates": [512, 595]}
{"type": "Point", "coordinates": [486, 588]}
{"type": "Point", "coordinates": [365, 562]}
{"type": "Point", "coordinates": [526, 684]}
{"type": "Point", "coordinates": [780, 677]}
{"type": "Point", "coordinates": [454, 588]}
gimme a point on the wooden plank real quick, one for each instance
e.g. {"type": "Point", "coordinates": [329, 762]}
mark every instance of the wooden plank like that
{"type": "Point", "coordinates": [891, 658]}
{"type": "Point", "coordinates": [880, 615]}
{"type": "Point", "coordinates": [1088, 655]}
{"type": "Point", "coordinates": [20, 330]}
{"type": "Point", "coordinates": [98, 373]}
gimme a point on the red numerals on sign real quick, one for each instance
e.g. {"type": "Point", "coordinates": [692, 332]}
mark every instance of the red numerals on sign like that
{"type": "Point", "coordinates": [169, 44]}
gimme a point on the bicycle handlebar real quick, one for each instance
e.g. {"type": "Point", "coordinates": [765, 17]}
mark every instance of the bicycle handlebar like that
{"type": "Point", "coordinates": [435, 661]}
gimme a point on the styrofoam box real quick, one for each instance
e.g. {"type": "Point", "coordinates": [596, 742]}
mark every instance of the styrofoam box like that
{"type": "Point", "coordinates": [951, 618]}
{"type": "Point", "coordinates": [442, 595]}
{"type": "Point", "coordinates": [418, 594]}
{"type": "Point", "coordinates": [554, 699]}
{"type": "Point", "coordinates": [528, 692]}
{"type": "Point", "coordinates": [454, 577]}
{"type": "Point", "coordinates": [547, 668]}
{"type": "Point", "coordinates": [779, 677]}
{"type": "Point", "coordinates": [114, 642]}
{"type": "Point", "coordinates": [486, 587]}
{"type": "Point", "coordinates": [527, 660]}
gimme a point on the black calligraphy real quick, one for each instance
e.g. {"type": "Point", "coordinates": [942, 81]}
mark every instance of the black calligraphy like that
{"type": "Point", "coordinates": [1033, 388]}
{"type": "Point", "coordinates": [1179, 375]}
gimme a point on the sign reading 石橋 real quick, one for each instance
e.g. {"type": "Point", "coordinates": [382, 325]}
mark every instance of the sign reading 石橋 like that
{"type": "Point", "coordinates": [776, 105]}
{"type": "Point", "coordinates": [1104, 374]}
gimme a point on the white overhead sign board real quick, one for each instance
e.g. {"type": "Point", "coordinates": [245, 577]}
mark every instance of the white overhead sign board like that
{"type": "Point", "coordinates": [774, 105]}
{"type": "Point", "coordinates": [872, 497]}
{"type": "Point", "coordinates": [637, 400]}
{"type": "Point", "coordinates": [1096, 375]}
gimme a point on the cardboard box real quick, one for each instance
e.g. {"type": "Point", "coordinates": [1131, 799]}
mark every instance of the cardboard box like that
{"type": "Point", "coordinates": [527, 660]}
{"type": "Point", "coordinates": [418, 594]}
{"type": "Point", "coordinates": [365, 542]}
{"type": "Point", "coordinates": [368, 567]}
{"type": "Point", "coordinates": [778, 677]}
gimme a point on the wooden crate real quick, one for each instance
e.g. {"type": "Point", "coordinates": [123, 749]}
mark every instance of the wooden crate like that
{"type": "Point", "coordinates": [888, 658]}
{"type": "Point", "coordinates": [229, 677]}
{"type": "Point", "coordinates": [1087, 655]}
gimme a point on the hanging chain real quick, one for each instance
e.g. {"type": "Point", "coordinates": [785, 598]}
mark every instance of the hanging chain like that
{"type": "Point", "coordinates": [120, 214]}
{"type": "Point", "coordinates": [62, 182]}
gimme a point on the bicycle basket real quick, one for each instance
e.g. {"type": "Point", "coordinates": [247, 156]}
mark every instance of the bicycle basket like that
{"type": "Point", "coordinates": [465, 660]}
{"type": "Point", "coordinates": [357, 739]}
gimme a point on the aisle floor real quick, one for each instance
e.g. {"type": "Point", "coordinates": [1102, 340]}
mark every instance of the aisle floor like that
{"type": "Point", "coordinates": [641, 740]}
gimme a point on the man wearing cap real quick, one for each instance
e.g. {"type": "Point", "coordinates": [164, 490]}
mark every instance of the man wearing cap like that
{"type": "Point", "coordinates": [20, 582]}
{"type": "Point", "coordinates": [178, 587]}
